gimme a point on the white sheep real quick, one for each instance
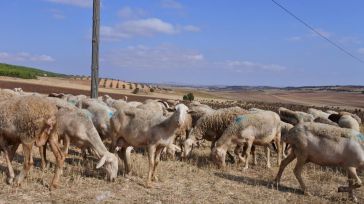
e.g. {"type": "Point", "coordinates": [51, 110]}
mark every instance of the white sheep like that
{"type": "Point", "coordinates": [138, 129]}
{"type": "Point", "coordinates": [325, 145]}
{"type": "Point", "coordinates": [259, 128]}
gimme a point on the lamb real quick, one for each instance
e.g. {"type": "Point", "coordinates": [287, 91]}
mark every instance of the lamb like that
{"type": "Point", "coordinates": [293, 117]}
{"type": "Point", "coordinates": [259, 128]}
{"type": "Point", "coordinates": [325, 145]}
{"type": "Point", "coordinates": [76, 127]}
{"type": "Point", "coordinates": [211, 127]}
{"type": "Point", "coordinates": [27, 120]}
{"type": "Point", "coordinates": [138, 129]}
{"type": "Point", "coordinates": [346, 120]}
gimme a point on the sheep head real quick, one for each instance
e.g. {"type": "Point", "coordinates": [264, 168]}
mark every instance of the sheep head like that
{"type": "Point", "coordinates": [110, 163]}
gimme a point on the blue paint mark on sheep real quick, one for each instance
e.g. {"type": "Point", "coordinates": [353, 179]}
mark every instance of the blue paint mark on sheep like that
{"type": "Point", "coordinates": [110, 114]}
{"type": "Point", "coordinates": [239, 118]}
{"type": "Point", "coordinates": [73, 102]}
{"type": "Point", "coordinates": [360, 137]}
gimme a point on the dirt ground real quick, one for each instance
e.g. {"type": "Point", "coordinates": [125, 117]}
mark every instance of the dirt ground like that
{"type": "Point", "coordinates": [193, 181]}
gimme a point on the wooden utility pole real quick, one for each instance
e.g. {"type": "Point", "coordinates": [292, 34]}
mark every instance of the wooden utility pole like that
{"type": "Point", "coordinates": [95, 49]}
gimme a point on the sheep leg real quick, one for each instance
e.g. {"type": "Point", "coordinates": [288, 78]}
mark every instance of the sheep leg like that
{"type": "Point", "coordinates": [301, 160]}
{"type": "Point", "coordinates": [59, 161]}
{"type": "Point", "coordinates": [284, 147]}
{"type": "Point", "coordinates": [10, 173]}
{"type": "Point", "coordinates": [66, 145]}
{"type": "Point", "coordinates": [28, 163]}
{"type": "Point", "coordinates": [283, 165]}
{"type": "Point", "coordinates": [237, 152]}
{"type": "Point", "coordinates": [254, 155]}
{"type": "Point", "coordinates": [151, 157]}
{"type": "Point", "coordinates": [247, 153]}
{"type": "Point", "coordinates": [156, 162]}
{"type": "Point", "coordinates": [43, 155]}
{"type": "Point", "coordinates": [279, 149]}
{"type": "Point", "coordinates": [267, 151]}
{"type": "Point", "coordinates": [13, 151]}
{"type": "Point", "coordinates": [124, 154]}
{"type": "Point", "coordinates": [354, 182]}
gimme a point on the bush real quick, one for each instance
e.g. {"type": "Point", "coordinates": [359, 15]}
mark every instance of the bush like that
{"type": "Point", "coordinates": [151, 90]}
{"type": "Point", "coordinates": [136, 90]}
{"type": "Point", "coordinates": [124, 86]}
{"type": "Point", "coordinates": [189, 97]}
{"type": "Point", "coordinates": [362, 92]}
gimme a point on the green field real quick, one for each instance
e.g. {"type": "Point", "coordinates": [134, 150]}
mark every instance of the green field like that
{"type": "Point", "coordinates": [25, 72]}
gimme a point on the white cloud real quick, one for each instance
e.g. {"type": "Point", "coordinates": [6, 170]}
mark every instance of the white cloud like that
{"type": "Point", "coordinates": [361, 50]}
{"type": "Point", "coordinates": [24, 57]}
{"type": "Point", "coordinates": [128, 12]}
{"type": "Point", "coordinates": [350, 40]}
{"type": "Point", "coordinates": [322, 32]}
{"type": "Point", "coordinates": [160, 57]}
{"type": "Point", "coordinates": [172, 4]}
{"type": "Point", "coordinates": [79, 3]}
{"type": "Point", "coordinates": [244, 66]}
{"type": "Point", "coordinates": [142, 27]}
{"type": "Point", "coordinates": [57, 14]}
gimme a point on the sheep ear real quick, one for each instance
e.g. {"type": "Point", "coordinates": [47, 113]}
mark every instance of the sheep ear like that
{"type": "Point", "coordinates": [171, 109]}
{"type": "Point", "coordinates": [101, 162]}
{"type": "Point", "coordinates": [191, 112]}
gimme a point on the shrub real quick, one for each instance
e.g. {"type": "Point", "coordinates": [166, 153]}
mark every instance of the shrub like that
{"type": "Point", "coordinates": [151, 90]}
{"type": "Point", "coordinates": [136, 90]}
{"type": "Point", "coordinates": [189, 97]}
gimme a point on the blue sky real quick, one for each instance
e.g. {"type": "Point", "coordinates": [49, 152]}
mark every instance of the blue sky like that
{"type": "Point", "coordinates": [210, 42]}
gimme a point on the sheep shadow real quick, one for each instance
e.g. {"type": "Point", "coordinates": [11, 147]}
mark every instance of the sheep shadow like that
{"type": "Point", "coordinates": [254, 182]}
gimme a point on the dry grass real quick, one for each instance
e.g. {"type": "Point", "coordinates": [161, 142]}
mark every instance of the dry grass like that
{"type": "Point", "coordinates": [194, 181]}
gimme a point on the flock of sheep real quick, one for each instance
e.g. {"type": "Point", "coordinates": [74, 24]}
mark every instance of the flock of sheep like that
{"type": "Point", "coordinates": [105, 126]}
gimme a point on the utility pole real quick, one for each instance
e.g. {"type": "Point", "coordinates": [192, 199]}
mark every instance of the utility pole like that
{"type": "Point", "coordinates": [95, 49]}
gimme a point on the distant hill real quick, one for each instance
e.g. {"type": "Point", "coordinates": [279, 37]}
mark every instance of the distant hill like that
{"type": "Point", "coordinates": [25, 72]}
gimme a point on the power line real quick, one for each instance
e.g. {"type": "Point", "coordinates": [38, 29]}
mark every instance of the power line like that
{"type": "Point", "coordinates": [317, 32]}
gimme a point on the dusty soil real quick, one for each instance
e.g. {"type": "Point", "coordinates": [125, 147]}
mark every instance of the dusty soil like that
{"type": "Point", "coordinates": [194, 181]}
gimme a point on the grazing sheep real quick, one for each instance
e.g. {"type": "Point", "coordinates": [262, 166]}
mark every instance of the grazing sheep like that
{"type": "Point", "coordinates": [331, 112]}
{"type": "Point", "coordinates": [76, 127]}
{"type": "Point", "coordinates": [138, 129]}
{"type": "Point", "coordinates": [346, 120]}
{"type": "Point", "coordinates": [7, 93]}
{"type": "Point", "coordinates": [100, 114]}
{"type": "Point", "coordinates": [27, 120]}
{"type": "Point", "coordinates": [293, 117]}
{"type": "Point", "coordinates": [325, 121]}
{"type": "Point", "coordinates": [285, 127]}
{"type": "Point", "coordinates": [325, 145]}
{"type": "Point", "coordinates": [198, 110]}
{"type": "Point", "coordinates": [259, 128]}
{"type": "Point", "coordinates": [211, 127]}
{"type": "Point", "coordinates": [317, 113]}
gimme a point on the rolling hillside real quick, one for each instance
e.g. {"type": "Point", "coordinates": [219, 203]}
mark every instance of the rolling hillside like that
{"type": "Point", "coordinates": [25, 72]}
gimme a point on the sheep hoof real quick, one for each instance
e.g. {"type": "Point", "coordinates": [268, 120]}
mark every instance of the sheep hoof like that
{"type": "Point", "coordinates": [306, 193]}
{"type": "Point", "coordinates": [155, 178]}
{"type": "Point", "coordinates": [10, 180]}
{"type": "Point", "coordinates": [53, 187]}
{"type": "Point", "coordinates": [148, 184]}
{"type": "Point", "coordinates": [354, 199]}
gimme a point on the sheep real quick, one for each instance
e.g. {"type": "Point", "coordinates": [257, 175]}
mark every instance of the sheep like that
{"type": "Point", "coordinates": [18, 90]}
{"type": "Point", "coordinates": [317, 113]}
{"type": "Point", "coordinates": [116, 104]}
{"type": "Point", "coordinates": [291, 117]}
{"type": "Point", "coordinates": [157, 106]}
{"type": "Point", "coordinates": [346, 120]}
{"type": "Point", "coordinates": [100, 114]}
{"type": "Point", "coordinates": [27, 120]}
{"type": "Point", "coordinates": [331, 112]}
{"type": "Point", "coordinates": [76, 127]}
{"type": "Point", "coordinates": [285, 127]}
{"type": "Point", "coordinates": [7, 93]}
{"type": "Point", "coordinates": [259, 128]}
{"type": "Point", "coordinates": [325, 121]}
{"type": "Point", "coordinates": [134, 103]}
{"type": "Point", "coordinates": [198, 110]}
{"type": "Point", "coordinates": [137, 128]}
{"type": "Point", "coordinates": [211, 127]}
{"type": "Point", "coordinates": [325, 145]}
